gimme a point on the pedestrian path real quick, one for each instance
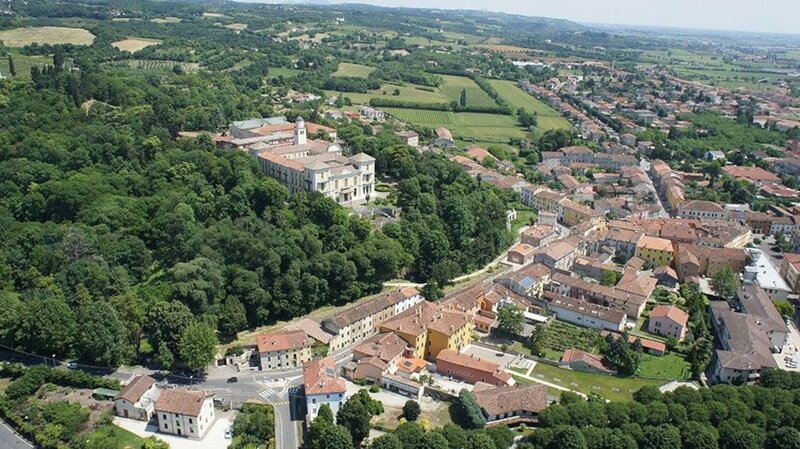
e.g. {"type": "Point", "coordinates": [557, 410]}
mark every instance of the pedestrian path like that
{"type": "Point", "coordinates": [543, 382]}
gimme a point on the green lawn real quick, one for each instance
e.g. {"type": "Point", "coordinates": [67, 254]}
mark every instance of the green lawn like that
{"type": "Point", "coordinates": [670, 366]}
{"type": "Point", "coordinates": [22, 64]}
{"type": "Point", "coordinates": [523, 381]}
{"type": "Point", "coordinates": [467, 126]}
{"type": "Point", "coordinates": [523, 219]}
{"type": "Point", "coordinates": [408, 92]}
{"type": "Point", "coordinates": [354, 70]}
{"type": "Point", "coordinates": [453, 85]}
{"type": "Point", "coordinates": [275, 72]}
{"type": "Point", "coordinates": [610, 387]}
{"type": "Point", "coordinates": [548, 117]}
{"type": "Point", "coordinates": [122, 438]}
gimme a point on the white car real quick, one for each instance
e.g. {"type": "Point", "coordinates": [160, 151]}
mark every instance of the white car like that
{"type": "Point", "coordinates": [229, 433]}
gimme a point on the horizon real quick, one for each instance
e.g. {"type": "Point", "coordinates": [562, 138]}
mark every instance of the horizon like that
{"type": "Point", "coordinates": [742, 16]}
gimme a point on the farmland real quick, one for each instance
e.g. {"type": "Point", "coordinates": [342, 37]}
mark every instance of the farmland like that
{"type": "Point", "coordinates": [152, 64]}
{"type": "Point", "coordinates": [354, 70]}
{"type": "Point", "coordinates": [548, 117]}
{"type": "Point", "coordinates": [464, 125]}
{"type": "Point", "coordinates": [134, 44]}
{"type": "Point", "coordinates": [408, 92]}
{"type": "Point", "coordinates": [23, 64]}
{"type": "Point", "coordinates": [20, 37]}
{"type": "Point", "coordinates": [453, 85]}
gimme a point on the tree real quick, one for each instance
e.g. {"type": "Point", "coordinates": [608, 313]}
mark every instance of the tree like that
{"type": "Point", "coordinates": [502, 436]}
{"type": "Point", "coordinates": [232, 317]}
{"type": "Point", "coordinates": [355, 416]}
{"type": "Point", "coordinates": [699, 356]}
{"type": "Point", "coordinates": [785, 308]}
{"type": "Point", "coordinates": [323, 420]}
{"type": "Point", "coordinates": [511, 319]}
{"type": "Point", "coordinates": [153, 442]}
{"type": "Point", "coordinates": [411, 410]}
{"type": "Point", "coordinates": [11, 69]}
{"type": "Point", "coordinates": [197, 346]}
{"type": "Point", "coordinates": [480, 440]}
{"type": "Point", "coordinates": [699, 436]}
{"type": "Point", "coordinates": [783, 438]}
{"type": "Point", "coordinates": [463, 98]}
{"type": "Point", "coordinates": [609, 279]}
{"type": "Point", "coordinates": [567, 437]}
{"type": "Point", "coordinates": [101, 337]}
{"type": "Point", "coordinates": [387, 441]}
{"type": "Point", "coordinates": [335, 437]}
{"type": "Point", "coordinates": [664, 436]}
{"type": "Point", "coordinates": [434, 440]}
{"type": "Point", "coordinates": [725, 283]}
{"type": "Point", "coordinates": [647, 394]}
{"type": "Point", "coordinates": [473, 416]}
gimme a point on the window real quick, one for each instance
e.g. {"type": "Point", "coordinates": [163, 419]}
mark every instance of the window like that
{"type": "Point", "coordinates": [190, 420]}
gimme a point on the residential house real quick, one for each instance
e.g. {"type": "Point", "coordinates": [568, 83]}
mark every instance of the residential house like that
{"type": "Point", "coordinates": [557, 255]}
{"type": "Point", "coordinates": [137, 399]}
{"type": "Point", "coordinates": [790, 270]}
{"type": "Point", "coordinates": [754, 175]}
{"type": "Point", "coordinates": [470, 369]}
{"type": "Point", "coordinates": [586, 314]}
{"type": "Point", "coordinates": [430, 328]}
{"type": "Point", "coordinates": [371, 113]}
{"type": "Point", "coordinates": [322, 386]}
{"type": "Point", "coordinates": [702, 210]}
{"type": "Point", "coordinates": [629, 302]}
{"type": "Point", "coordinates": [184, 412]}
{"type": "Point", "coordinates": [584, 361]}
{"type": "Point", "coordinates": [444, 139]}
{"type": "Point", "coordinates": [511, 402]}
{"type": "Point", "coordinates": [666, 276]}
{"type": "Point", "coordinates": [529, 281]}
{"type": "Point", "coordinates": [284, 349]}
{"type": "Point", "coordinates": [375, 356]}
{"type": "Point", "coordinates": [409, 137]}
{"type": "Point", "coordinates": [538, 235]}
{"type": "Point", "coordinates": [668, 321]}
{"type": "Point", "coordinates": [655, 251]}
{"type": "Point", "coordinates": [696, 261]}
{"type": "Point", "coordinates": [521, 254]}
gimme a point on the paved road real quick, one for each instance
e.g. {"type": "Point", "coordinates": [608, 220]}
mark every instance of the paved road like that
{"type": "Point", "coordinates": [10, 440]}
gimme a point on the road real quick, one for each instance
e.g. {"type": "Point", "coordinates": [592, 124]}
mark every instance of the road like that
{"type": "Point", "coordinates": [10, 440]}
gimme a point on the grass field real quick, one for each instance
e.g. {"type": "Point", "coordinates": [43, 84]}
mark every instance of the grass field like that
{"type": "Point", "coordinates": [134, 44]}
{"type": "Point", "coordinates": [548, 117]}
{"type": "Point", "coordinates": [464, 125]}
{"type": "Point", "coordinates": [670, 366]}
{"type": "Point", "coordinates": [153, 64]}
{"type": "Point", "coordinates": [20, 37]}
{"type": "Point", "coordinates": [610, 387]}
{"type": "Point", "coordinates": [408, 92]}
{"type": "Point", "coordinates": [166, 20]}
{"type": "Point", "coordinates": [453, 85]}
{"type": "Point", "coordinates": [23, 64]}
{"type": "Point", "coordinates": [122, 439]}
{"type": "Point", "coordinates": [275, 72]}
{"type": "Point", "coordinates": [354, 70]}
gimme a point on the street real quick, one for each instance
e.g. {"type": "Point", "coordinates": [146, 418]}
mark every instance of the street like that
{"type": "Point", "coordinates": [10, 440]}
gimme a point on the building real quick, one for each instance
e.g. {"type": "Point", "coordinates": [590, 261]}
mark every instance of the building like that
{"type": "Point", "coordinates": [529, 281]}
{"type": "Point", "coordinates": [183, 412]}
{"type": "Point", "coordinates": [322, 386]}
{"type": "Point", "coordinates": [655, 251]}
{"type": "Point", "coordinates": [538, 235]}
{"type": "Point", "coordinates": [696, 261]}
{"type": "Point", "coordinates": [666, 276]}
{"type": "Point", "coordinates": [371, 113]}
{"type": "Point", "coordinates": [668, 321]}
{"type": "Point", "coordinates": [575, 214]}
{"type": "Point", "coordinates": [557, 255]}
{"type": "Point", "coordinates": [754, 175]}
{"type": "Point", "coordinates": [747, 338]}
{"type": "Point", "coordinates": [763, 273]}
{"type": "Point", "coordinates": [702, 210]}
{"type": "Point", "coordinates": [409, 137]}
{"type": "Point", "coordinates": [521, 254]}
{"type": "Point", "coordinates": [631, 302]}
{"type": "Point", "coordinates": [584, 361]}
{"type": "Point", "coordinates": [137, 399]}
{"type": "Point", "coordinates": [586, 314]}
{"type": "Point", "coordinates": [363, 320]}
{"type": "Point", "coordinates": [507, 402]}
{"type": "Point", "coordinates": [284, 349]}
{"type": "Point", "coordinates": [444, 139]}
{"type": "Point", "coordinates": [790, 270]}
{"type": "Point", "coordinates": [319, 166]}
{"type": "Point", "coordinates": [430, 328]}
{"type": "Point", "coordinates": [470, 369]}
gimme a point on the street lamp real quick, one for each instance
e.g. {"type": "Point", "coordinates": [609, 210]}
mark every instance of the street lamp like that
{"type": "Point", "coordinates": [54, 360]}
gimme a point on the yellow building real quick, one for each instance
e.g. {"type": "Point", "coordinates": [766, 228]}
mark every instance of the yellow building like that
{"type": "Point", "coordinates": [575, 214]}
{"type": "Point", "coordinates": [430, 327]}
{"type": "Point", "coordinates": [655, 251]}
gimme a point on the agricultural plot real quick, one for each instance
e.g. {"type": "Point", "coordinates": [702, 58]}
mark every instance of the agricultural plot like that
{"type": "Point", "coordinates": [236, 26]}
{"type": "Point", "coordinates": [23, 64]}
{"type": "Point", "coordinates": [134, 44]}
{"type": "Point", "coordinates": [354, 70]}
{"type": "Point", "coordinates": [275, 72]}
{"type": "Point", "coordinates": [469, 126]}
{"type": "Point", "coordinates": [408, 92]}
{"type": "Point", "coordinates": [454, 85]}
{"type": "Point", "coordinates": [20, 37]}
{"type": "Point", "coordinates": [166, 20]}
{"type": "Point", "coordinates": [152, 64]}
{"type": "Point", "coordinates": [548, 117]}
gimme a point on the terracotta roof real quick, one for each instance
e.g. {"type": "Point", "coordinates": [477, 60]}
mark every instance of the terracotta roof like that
{"type": "Point", "coordinates": [501, 400]}
{"type": "Point", "coordinates": [700, 205]}
{"type": "Point", "coordinates": [312, 329]}
{"type": "Point", "coordinates": [472, 362]}
{"type": "Point", "coordinates": [583, 307]}
{"type": "Point", "coordinates": [655, 243]}
{"type": "Point", "coordinates": [287, 340]}
{"type": "Point", "coordinates": [424, 316]}
{"type": "Point", "coordinates": [757, 174]}
{"type": "Point", "coordinates": [411, 365]}
{"type": "Point", "coordinates": [444, 133]}
{"type": "Point", "coordinates": [136, 388]}
{"type": "Point", "coordinates": [479, 153]}
{"type": "Point", "coordinates": [523, 248]}
{"type": "Point", "coordinates": [369, 308]}
{"type": "Point", "coordinates": [268, 155]}
{"type": "Point", "coordinates": [672, 312]}
{"type": "Point", "coordinates": [181, 401]}
{"type": "Point", "coordinates": [577, 355]}
{"type": "Point", "coordinates": [320, 377]}
{"type": "Point", "coordinates": [648, 343]}
{"type": "Point", "coordinates": [385, 346]}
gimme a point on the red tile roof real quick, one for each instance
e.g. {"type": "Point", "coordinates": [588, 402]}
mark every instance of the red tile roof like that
{"type": "Point", "coordinates": [320, 377]}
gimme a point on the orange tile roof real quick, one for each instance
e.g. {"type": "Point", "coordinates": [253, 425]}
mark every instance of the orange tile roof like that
{"type": "Point", "coordinates": [320, 377]}
{"type": "Point", "coordinates": [655, 243]}
{"type": "Point", "coordinates": [427, 316]}
{"type": "Point", "coordinates": [672, 312]}
{"type": "Point", "coordinates": [136, 388]}
{"type": "Point", "coordinates": [181, 401]}
{"type": "Point", "coordinates": [287, 340]}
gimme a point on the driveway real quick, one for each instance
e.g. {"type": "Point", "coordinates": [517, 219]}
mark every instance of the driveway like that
{"type": "Point", "coordinates": [215, 437]}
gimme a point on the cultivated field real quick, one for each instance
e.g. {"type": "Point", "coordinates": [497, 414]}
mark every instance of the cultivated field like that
{"type": "Point", "coordinates": [236, 26]}
{"type": "Point", "coordinates": [408, 92]}
{"type": "Point", "coordinates": [453, 85]}
{"type": "Point", "coordinates": [548, 117]}
{"type": "Point", "coordinates": [134, 44]}
{"type": "Point", "coordinates": [275, 72]}
{"type": "Point", "coordinates": [153, 64]}
{"type": "Point", "coordinates": [166, 20]}
{"type": "Point", "coordinates": [464, 125]}
{"type": "Point", "coordinates": [354, 70]}
{"type": "Point", "coordinates": [23, 64]}
{"type": "Point", "coordinates": [20, 37]}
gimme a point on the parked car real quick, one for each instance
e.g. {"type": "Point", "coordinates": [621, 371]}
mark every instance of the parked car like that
{"type": "Point", "coordinates": [229, 433]}
{"type": "Point", "coordinates": [72, 365]}
{"type": "Point", "coordinates": [233, 380]}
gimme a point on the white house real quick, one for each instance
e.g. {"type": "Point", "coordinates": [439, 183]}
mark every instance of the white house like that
{"type": "Point", "coordinates": [586, 314]}
{"type": "Point", "coordinates": [323, 386]}
{"type": "Point", "coordinates": [183, 412]}
{"type": "Point", "coordinates": [137, 399]}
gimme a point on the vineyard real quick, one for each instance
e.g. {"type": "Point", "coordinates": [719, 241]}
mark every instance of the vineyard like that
{"type": "Point", "coordinates": [153, 64]}
{"type": "Point", "coordinates": [548, 117]}
{"type": "Point", "coordinates": [464, 125]}
{"type": "Point", "coordinates": [453, 85]}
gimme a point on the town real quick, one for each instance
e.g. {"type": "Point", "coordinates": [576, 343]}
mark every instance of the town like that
{"type": "Point", "coordinates": [351, 226]}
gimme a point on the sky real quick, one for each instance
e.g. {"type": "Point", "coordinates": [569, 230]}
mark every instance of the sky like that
{"type": "Point", "coordinates": [773, 16]}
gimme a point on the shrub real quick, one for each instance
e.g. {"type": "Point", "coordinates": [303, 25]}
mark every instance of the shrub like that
{"type": "Point", "coordinates": [411, 410]}
{"type": "Point", "coordinates": [374, 388]}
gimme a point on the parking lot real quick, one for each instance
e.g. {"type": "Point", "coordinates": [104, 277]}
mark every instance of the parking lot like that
{"type": "Point", "coordinates": [791, 349]}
